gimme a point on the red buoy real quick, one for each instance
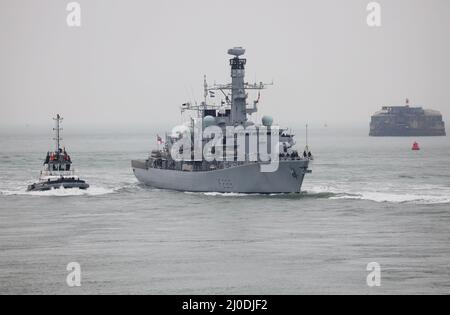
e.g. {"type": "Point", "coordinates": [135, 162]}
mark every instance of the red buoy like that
{"type": "Point", "coordinates": [416, 147]}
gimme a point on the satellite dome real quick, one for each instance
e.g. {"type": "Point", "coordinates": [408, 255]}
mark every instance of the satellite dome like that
{"type": "Point", "coordinates": [267, 121]}
{"type": "Point", "coordinates": [209, 121]}
{"type": "Point", "coordinates": [221, 121]}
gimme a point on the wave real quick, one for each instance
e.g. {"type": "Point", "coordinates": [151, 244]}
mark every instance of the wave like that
{"type": "Point", "coordinates": [213, 194]}
{"type": "Point", "coordinates": [305, 194]}
{"type": "Point", "coordinates": [394, 198]}
{"type": "Point", "coordinates": [219, 194]}
{"type": "Point", "coordinates": [421, 195]}
{"type": "Point", "coordinates": [92, 191]}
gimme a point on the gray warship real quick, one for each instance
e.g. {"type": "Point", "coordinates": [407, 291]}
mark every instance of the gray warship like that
{"type": "Point", "coordinates": [58, 171]}
{"type": "Point", "coordinates": [161, 170]}
{"type": "Point", "coordinates": [407, 121]}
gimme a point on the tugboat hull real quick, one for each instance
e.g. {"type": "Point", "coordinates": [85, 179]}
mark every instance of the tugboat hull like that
{"type": "Point", "coordinates": [46, 186]}
{"type": "Point", "coordinates": [240, 179]}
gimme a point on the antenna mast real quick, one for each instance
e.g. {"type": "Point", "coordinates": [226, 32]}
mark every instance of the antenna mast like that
{"type": "Point", "coordinates": [57, 130]}
{"type": "Point", "coordinates": [306, 134]}
{"type": "Point", "coordinates": [205, 87]}
{"type": "Point", "coordinates": [237, 103]}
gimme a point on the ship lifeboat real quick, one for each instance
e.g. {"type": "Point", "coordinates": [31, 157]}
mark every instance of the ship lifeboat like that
{"type": "Point", "coordinates": [416, 147]}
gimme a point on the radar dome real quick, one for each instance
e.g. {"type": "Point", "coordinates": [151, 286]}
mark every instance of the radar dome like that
{"type": "Point", "coordinates": [236, 51]}
{"type": "Point", "coordinates": [209, 121]}
{"type": "Point", "coordinates": [221, 121]}
{"type": "Point", "coordinates": [267, 121]}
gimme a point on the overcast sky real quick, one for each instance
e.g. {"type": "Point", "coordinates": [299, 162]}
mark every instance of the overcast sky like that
{"type": "Point", "coordinates": [137, 61]}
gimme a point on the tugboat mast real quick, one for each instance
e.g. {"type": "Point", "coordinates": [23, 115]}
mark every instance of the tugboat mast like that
{"type": "Point", "coordinates": [58, 130]}
{"type": "Point", "coordinates": [306, 135]}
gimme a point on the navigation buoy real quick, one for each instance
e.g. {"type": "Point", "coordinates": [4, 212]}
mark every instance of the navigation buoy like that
{"type": "Point", "coordinates": [416, 147]}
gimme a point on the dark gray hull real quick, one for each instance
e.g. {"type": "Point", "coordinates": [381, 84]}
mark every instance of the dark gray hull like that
{"type": "Point", "coordinates": [240, 179]}
{"type": "Point", "coordinates": [46, 186]}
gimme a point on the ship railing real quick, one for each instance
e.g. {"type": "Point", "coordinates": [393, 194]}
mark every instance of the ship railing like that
{"type": "Point", "coordinates": [57, 173]}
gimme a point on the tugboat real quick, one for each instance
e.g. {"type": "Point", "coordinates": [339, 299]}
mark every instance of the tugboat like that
{"type": "Point", "coordinates": [58, 171]}
{"type": "Point", "coordinates": [237, 166]}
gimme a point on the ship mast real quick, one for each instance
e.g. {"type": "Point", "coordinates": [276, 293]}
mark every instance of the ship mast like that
{"type": "Point", "coordinates": [58, 130]}
{"type": "Point", "coordinates": [238, 96]}
{"type": "Point", "coordinates": [238, 87]}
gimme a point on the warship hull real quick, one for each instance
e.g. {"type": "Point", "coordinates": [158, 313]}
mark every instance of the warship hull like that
{"type": "Point", "coordinates": [246, 178]}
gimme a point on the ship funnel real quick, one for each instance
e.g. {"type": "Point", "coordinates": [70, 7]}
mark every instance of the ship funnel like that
{"type": "Point", "coordinates": [236, 51]}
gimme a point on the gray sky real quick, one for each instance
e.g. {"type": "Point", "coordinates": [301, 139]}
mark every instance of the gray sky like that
{"type": "Point", "coordinates": [135, 62]}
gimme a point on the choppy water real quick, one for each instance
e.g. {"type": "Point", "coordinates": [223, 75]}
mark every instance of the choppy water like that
{"type": "Point", "coordinates": [368, 199]}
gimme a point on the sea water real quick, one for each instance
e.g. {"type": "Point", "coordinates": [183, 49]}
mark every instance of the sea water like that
{"type": "Point", "coordinates": [367, 200]}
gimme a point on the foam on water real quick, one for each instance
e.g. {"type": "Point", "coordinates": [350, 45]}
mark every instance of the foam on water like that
{"type": "Point", "coordinates": [439, 195]}
{"type": "Point", "coordinates": [218, 194]}
{"type": "Point", "coordinates": [301, 195]}
{"type": "Point", "coordinates": [92, 191]}
{"type": "Point", "coordinates": [418, 195]}
{"type": "Point", "coordinates": [406, 198]}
